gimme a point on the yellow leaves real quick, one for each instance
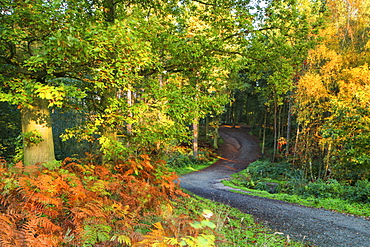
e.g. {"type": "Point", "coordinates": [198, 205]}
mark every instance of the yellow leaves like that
{"type": "Point", "coordinates": [155, 237]}
{"type": "Point", "coordinates": [326, 59]}
{"type": "Point", "coordinates": [196, 26]}
{"type": "Point", "coordinates": [311, 86]}
{"type": "Point", "coordinates": [167, 211]}
{"type": "Point", "coordinates": [367, 46]}
{"type": "Point", "coordinates": [121, 210]}
{"type": "Point", "coordinates": [55, 95]}
{"type": "Point", "coordinates": [359, 75]}
{"type": "Point", "coordinates": [356, 88]}
{"type": "Point", "coordinates": [100, 187]}
{"type": "Point", "coordinates": [122, 239]}
{"type": "Point", "coordinates": [211, 89]}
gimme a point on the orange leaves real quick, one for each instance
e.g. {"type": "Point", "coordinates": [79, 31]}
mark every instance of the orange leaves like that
{"type": "Point", "coordinates": [81, 202]}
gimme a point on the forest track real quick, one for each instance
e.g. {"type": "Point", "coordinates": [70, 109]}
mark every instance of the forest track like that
{"type": "Point", "coordinates": [311, 225]}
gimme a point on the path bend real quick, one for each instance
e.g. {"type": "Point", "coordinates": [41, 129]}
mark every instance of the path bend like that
{"type": "Point", "coordinates": [317, 226]}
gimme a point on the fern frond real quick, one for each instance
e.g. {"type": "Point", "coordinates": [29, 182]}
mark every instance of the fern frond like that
{"type": "Point", "coordinates": [47, 240]}
{"type": "Point", "coordinates": [155, 237]}
{"type": "Point", "coordinates": [123, 239]}
{"type": "Point", "coordinates": [40, 231]}
{"type": "Point", "coordinates": [7, 230]}
{"type": "Point", "coordinates": [19, 166]}
{"type": "Point", "coordinates": [44, 199]}
{"type": "Point", "coordinates": [47, 225]}
{"type": "Point", "coordinates": [92, 212]}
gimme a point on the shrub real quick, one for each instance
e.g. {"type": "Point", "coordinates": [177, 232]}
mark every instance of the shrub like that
{"type": "Point", "coordinates": [324, 189]}
{"type": "Point", "coordinates": [264, 168]}
{"type": "Point", "coordinates": [360, 192]}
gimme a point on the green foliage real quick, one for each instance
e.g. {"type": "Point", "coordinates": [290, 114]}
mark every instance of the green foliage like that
{"type": "Point", "coordinates": [335, 204]}
{"type": "Point", "coordinates": [348, 127]}
{"type": "Point", "coordinates": [52, 165]}
{"type": "Point", "coordinates": [324, 189]}
{"type": "Point", "coordinates": [94, 234]}
{"type": "Point", "coordinates": [264, 169]}
{"type": "Point", "coordinates": [33, 137]}
{"type": "Point", "coordinates": [360, 192]}
{"type": "Point", "coordinates": [10, 129]}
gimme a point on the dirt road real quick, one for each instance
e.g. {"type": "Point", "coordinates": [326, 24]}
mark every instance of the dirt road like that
{"type": "Point", "coordinates": [317, 226]}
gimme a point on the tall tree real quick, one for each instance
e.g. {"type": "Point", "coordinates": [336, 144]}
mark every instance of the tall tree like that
{"type": "Point", "coordinates": [37, 52]}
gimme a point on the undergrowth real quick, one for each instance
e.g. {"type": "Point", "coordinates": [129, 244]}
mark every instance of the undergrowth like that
{"type": "Point", "coordinates": [81, 203]}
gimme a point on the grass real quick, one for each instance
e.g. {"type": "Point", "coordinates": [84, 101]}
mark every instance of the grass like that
{"type": "Point", "coordinates": [192, 168]}
{"type": "Point", "coordinates": [183, 162]}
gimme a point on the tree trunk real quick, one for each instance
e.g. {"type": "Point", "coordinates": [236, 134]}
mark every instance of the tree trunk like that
{"type": "Point", "coordinates": [129, 104]}
{"type": "Point", "coordinates": [289, 127]}
{"type": "Point", "coordinates": [215, 125]}
{"type": "Point", "coordinates": [264, 133]}
{"type": "Point", "coordinates": [275, 129]}
{"type": "Point", "coordinates": [110, 10]}
{"type": "Point", "coordinates": [215, 138]}
{"type": "Point", "coordinates": [108, 130]}
{"type": "Point", "coordinates": [207, 128]}
{"type": "Point", "coordinates": [38, 145]}
{"type": "Point", "coordinates": [195, 138]}
{"type": "Point", "coordinates": [296, 145]}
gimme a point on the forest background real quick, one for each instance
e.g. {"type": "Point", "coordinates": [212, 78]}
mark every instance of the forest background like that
{"type": "Point", "coordinates": [100, 98]}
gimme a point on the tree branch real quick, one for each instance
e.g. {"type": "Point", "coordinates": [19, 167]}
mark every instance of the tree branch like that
{"type": "Point", "coordinates": [201, 2]}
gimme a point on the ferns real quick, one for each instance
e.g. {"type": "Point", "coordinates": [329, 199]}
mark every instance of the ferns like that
{"type": "Point", "coordinates": [181, 232]}
{"type": "Point", "coordinates": [80, 203]}
{"type": "Point", "coordinates": [95, 233]}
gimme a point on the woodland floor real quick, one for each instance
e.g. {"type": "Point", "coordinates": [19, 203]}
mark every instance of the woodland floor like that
{"type": "Point", "coordinates": [314, 226]}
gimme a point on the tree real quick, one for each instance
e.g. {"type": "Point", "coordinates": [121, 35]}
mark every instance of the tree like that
{"type": "Point", "coordinates": [38, 51]}
{"type": "Point", "coordinates": [333, 97]}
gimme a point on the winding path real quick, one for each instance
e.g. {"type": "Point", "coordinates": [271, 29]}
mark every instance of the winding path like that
{"type": "Point", "coordinates": [316, 226]}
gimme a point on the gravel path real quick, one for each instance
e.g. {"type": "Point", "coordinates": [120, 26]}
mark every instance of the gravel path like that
{"type": "Point", "coordinates": [316, 226]}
